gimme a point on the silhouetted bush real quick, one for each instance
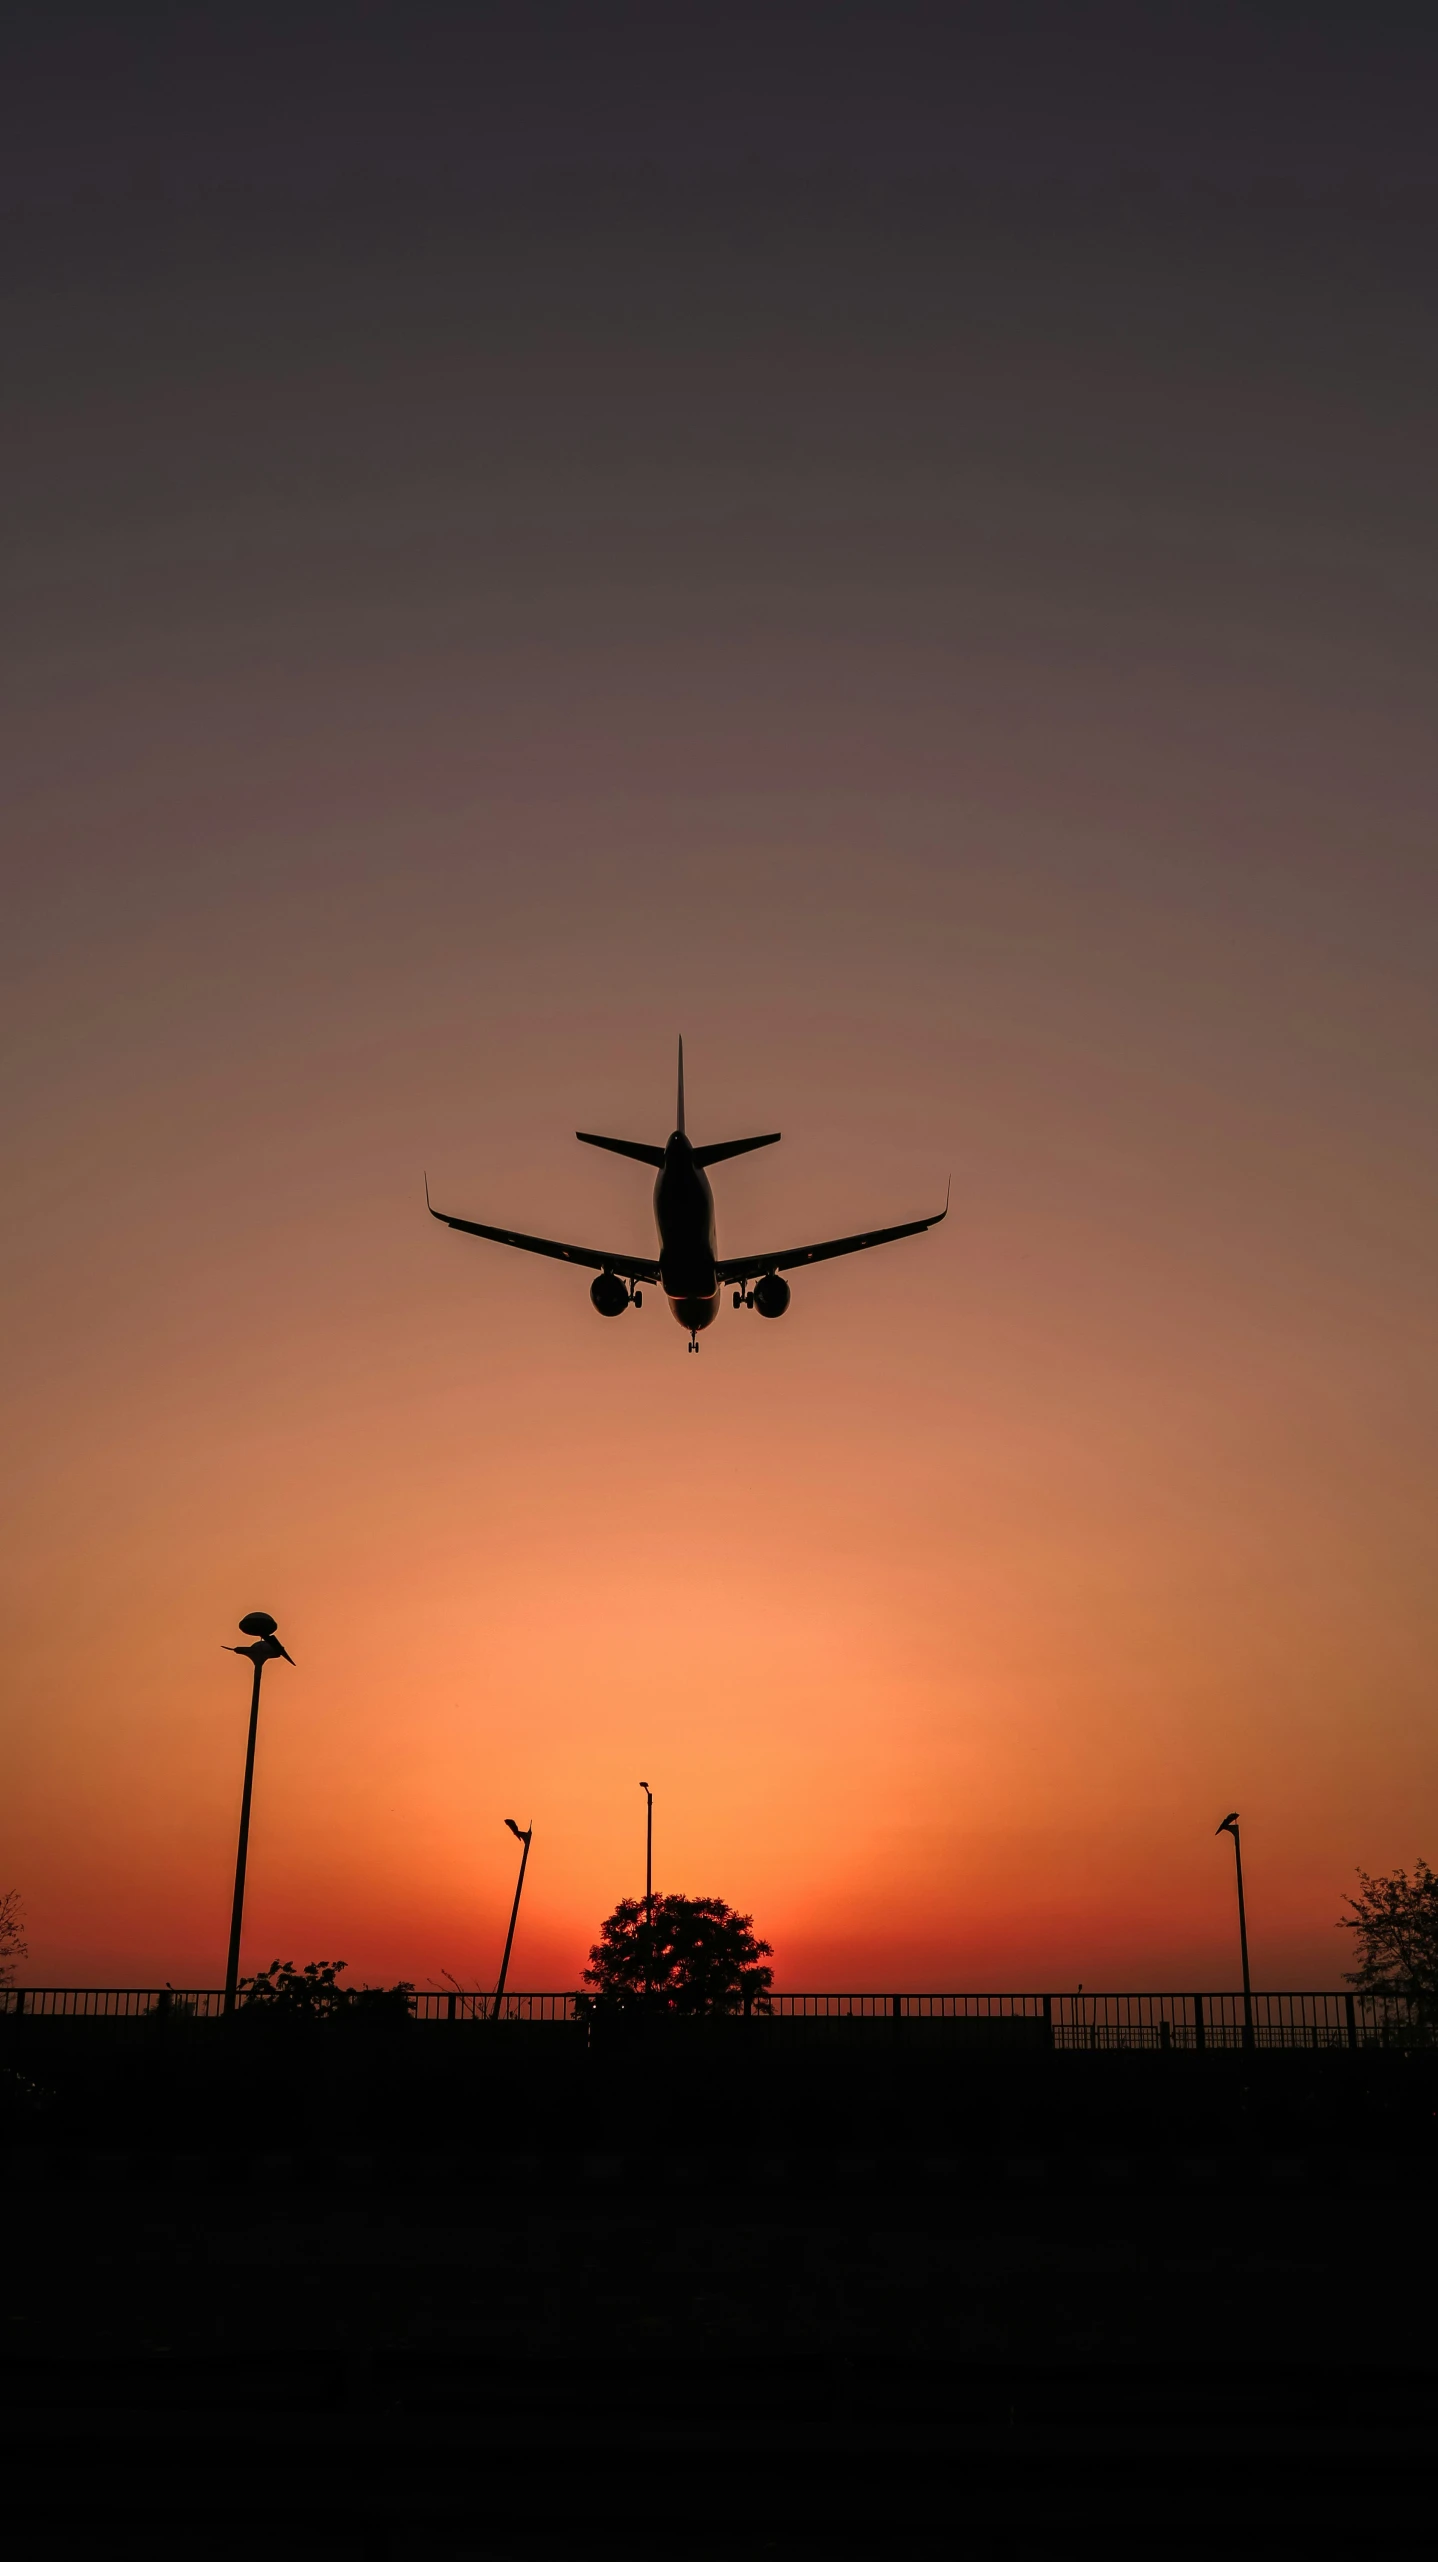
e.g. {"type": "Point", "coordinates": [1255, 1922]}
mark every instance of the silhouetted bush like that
{"type": "Point", "coordinates": [170, 2016]}
{"type": "Point", "coordinates": [698, 1956]}
{"type": "Point", "coordinates": [284, 1991]}
{"type": "Point", "coordinates": [12, 1935]}
{"type": "Point", "coordinates": [1395, 1920]}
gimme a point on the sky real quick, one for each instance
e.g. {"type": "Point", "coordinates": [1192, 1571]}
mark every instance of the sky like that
{"type": "Point", "coordinates": [897, 544]}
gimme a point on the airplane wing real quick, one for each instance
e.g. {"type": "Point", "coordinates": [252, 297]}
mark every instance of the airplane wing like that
{"type": "Point", "coordinates": [750, 1267]}
{"type": "Point", "coordinates": [632, 1267]}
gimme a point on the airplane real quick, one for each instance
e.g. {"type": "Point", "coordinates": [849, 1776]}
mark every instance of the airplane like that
{"type": "Point", "coordinates": [688, 1267]}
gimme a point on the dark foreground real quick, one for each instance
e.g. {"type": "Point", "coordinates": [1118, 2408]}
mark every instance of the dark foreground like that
{"type": "Point", "coordinates": [421, 2295]}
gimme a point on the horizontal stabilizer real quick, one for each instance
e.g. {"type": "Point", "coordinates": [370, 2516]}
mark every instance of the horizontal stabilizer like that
{"type": "Point", "coordinates": [638, 1147]}
{"type": "Point", "coordinates": [734, 1147]}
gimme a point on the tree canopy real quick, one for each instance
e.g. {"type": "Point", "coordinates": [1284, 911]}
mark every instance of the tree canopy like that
{"type": "Point", "coordinates": [1395, 1920]}
{"type": "Point", "coordinates": [12, 1934]}
{"type": "Point", "coordinates": [698, 1956]}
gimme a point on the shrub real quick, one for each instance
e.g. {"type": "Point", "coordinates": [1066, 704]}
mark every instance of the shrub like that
{"type": "Point", "coordinates": [286, 1991]}
{"type": "Point", "coordinates": [1395, 1921]}
{"type": "Point", "coordinates": [12, 1935]}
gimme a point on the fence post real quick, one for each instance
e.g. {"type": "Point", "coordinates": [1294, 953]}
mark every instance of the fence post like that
{"type": "Point", "coordinates": [1351, 2019]}
{"type": "Point", "coordinates": [1049, 2017]}
{"type": "Point", "coordinates": [1198, 2022]}
{"type": "Point", "coordinates": [1165, 2035]}
{"type": "Point", "coordinates": [20, 2001]}
{"type": "Point", "coordinates": [449, 2006]}
{"type": "Point", "coordinates": [896, 2003]}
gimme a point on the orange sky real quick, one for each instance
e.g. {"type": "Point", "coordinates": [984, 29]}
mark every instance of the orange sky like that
{"type": "Point", "coordinates": [1044, 802]}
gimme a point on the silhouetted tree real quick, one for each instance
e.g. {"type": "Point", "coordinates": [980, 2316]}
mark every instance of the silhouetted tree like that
{"type": "Point", "coordinates": [1395, 1919]}
{"type": "Point", "coordinates": [12, 1934]}
{"type": "Point", "coordinates": [315, 1992]}
{"type": "Point", "coordinates": [700, 1956]}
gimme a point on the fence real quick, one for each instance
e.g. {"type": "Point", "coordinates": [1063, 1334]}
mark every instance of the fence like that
{"type": "Point", "coordinates": [1164, 2021]}
{"type": "Point", "coordinates": [107, 2001]}
{"type": "Point", "coordinates": [1161, 2021]}
{"type": "Point", "coordinates": [1196, 2021]}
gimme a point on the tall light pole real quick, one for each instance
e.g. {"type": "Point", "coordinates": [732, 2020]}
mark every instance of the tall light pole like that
{"type": "Point", "coordinates": [648, 1887]}
{"type": "Point", "coordinates": [259, 1625]}
{"type": "Point", "coordinates": [526, 1838]}
{"type": "Point", "coordinates": [1230, 1825]}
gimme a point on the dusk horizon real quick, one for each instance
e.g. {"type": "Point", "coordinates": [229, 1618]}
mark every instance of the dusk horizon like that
{"type": "Point", "coordinates": [927, 595]}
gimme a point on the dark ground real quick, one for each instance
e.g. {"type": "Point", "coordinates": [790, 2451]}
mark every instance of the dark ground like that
{"type": "Point", "coordinates": [462, 2292]}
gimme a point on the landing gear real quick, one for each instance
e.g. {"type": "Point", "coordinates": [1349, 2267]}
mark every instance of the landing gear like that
{"type": "Point", "coordinates": [693, 1342]}
{"type": "Point", "coordinates": [743, 1299]}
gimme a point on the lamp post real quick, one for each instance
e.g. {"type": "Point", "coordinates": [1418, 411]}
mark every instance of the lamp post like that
{"type": "Point", "coordinates": [526, 1838]}
{"type": "Point", "coordinates": [261, 1627]}
{"type": "Point", "coordinates": [1230, 1825]}
{"type": "Point", "coordinates": [648, 1888]}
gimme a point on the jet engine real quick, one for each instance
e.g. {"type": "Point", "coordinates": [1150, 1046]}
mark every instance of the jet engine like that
{"type": "Point", "coordinates": [771, 1295]}
{"type": "Point", "coordinates": [609, 1294]}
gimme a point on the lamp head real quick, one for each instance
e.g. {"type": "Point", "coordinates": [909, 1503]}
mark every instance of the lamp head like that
{"type": "Point", "coordinates": [1228, 1825]}
{"type": "Point", "coordinates": [514, 1828]}
{"type": "Point", "coordinates": [259, 1626]}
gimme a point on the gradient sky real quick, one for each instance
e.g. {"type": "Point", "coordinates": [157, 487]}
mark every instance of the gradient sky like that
{"type": "Point", "coordinates": [898, 543]}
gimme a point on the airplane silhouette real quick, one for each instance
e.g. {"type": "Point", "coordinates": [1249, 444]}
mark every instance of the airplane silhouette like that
{"type": "Point", "coordinates": [689, 1267]}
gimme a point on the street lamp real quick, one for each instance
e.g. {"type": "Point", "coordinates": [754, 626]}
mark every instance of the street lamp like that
{"type": "Point", "coordinates": [261, 1627]}
{"type": "Point", "coordinates": [526, 1838]}
{"type": "Point", "coordinates": [1230, 1825]}
{"type": "Point", "coordinates": [648, 1887]}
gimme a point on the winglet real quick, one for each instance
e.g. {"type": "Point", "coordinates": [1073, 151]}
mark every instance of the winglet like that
{"type": "Point", "coordinates": [679, 1124]}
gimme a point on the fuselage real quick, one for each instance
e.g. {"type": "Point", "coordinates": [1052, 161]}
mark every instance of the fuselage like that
{"type": "Point", "coordinates": [684, 1218]}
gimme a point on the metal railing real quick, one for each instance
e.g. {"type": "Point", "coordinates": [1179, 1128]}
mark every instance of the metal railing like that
{"type": "Point", "coordinates": [109, 2001]}
{"type": "Point", "coordinates": [1197, 2021]}
{"type": "Point", "coordinates": [1068, 2021]}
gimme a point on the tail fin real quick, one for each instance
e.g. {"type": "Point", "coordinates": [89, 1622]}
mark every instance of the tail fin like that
{"type": "Point", "coordinates": [679, 1123]}
{"type": "Point", "coordinates": [716, 1153]}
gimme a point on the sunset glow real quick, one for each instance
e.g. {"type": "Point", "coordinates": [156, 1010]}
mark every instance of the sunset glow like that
{"type": "Point", "coordinates": [985, 712]}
